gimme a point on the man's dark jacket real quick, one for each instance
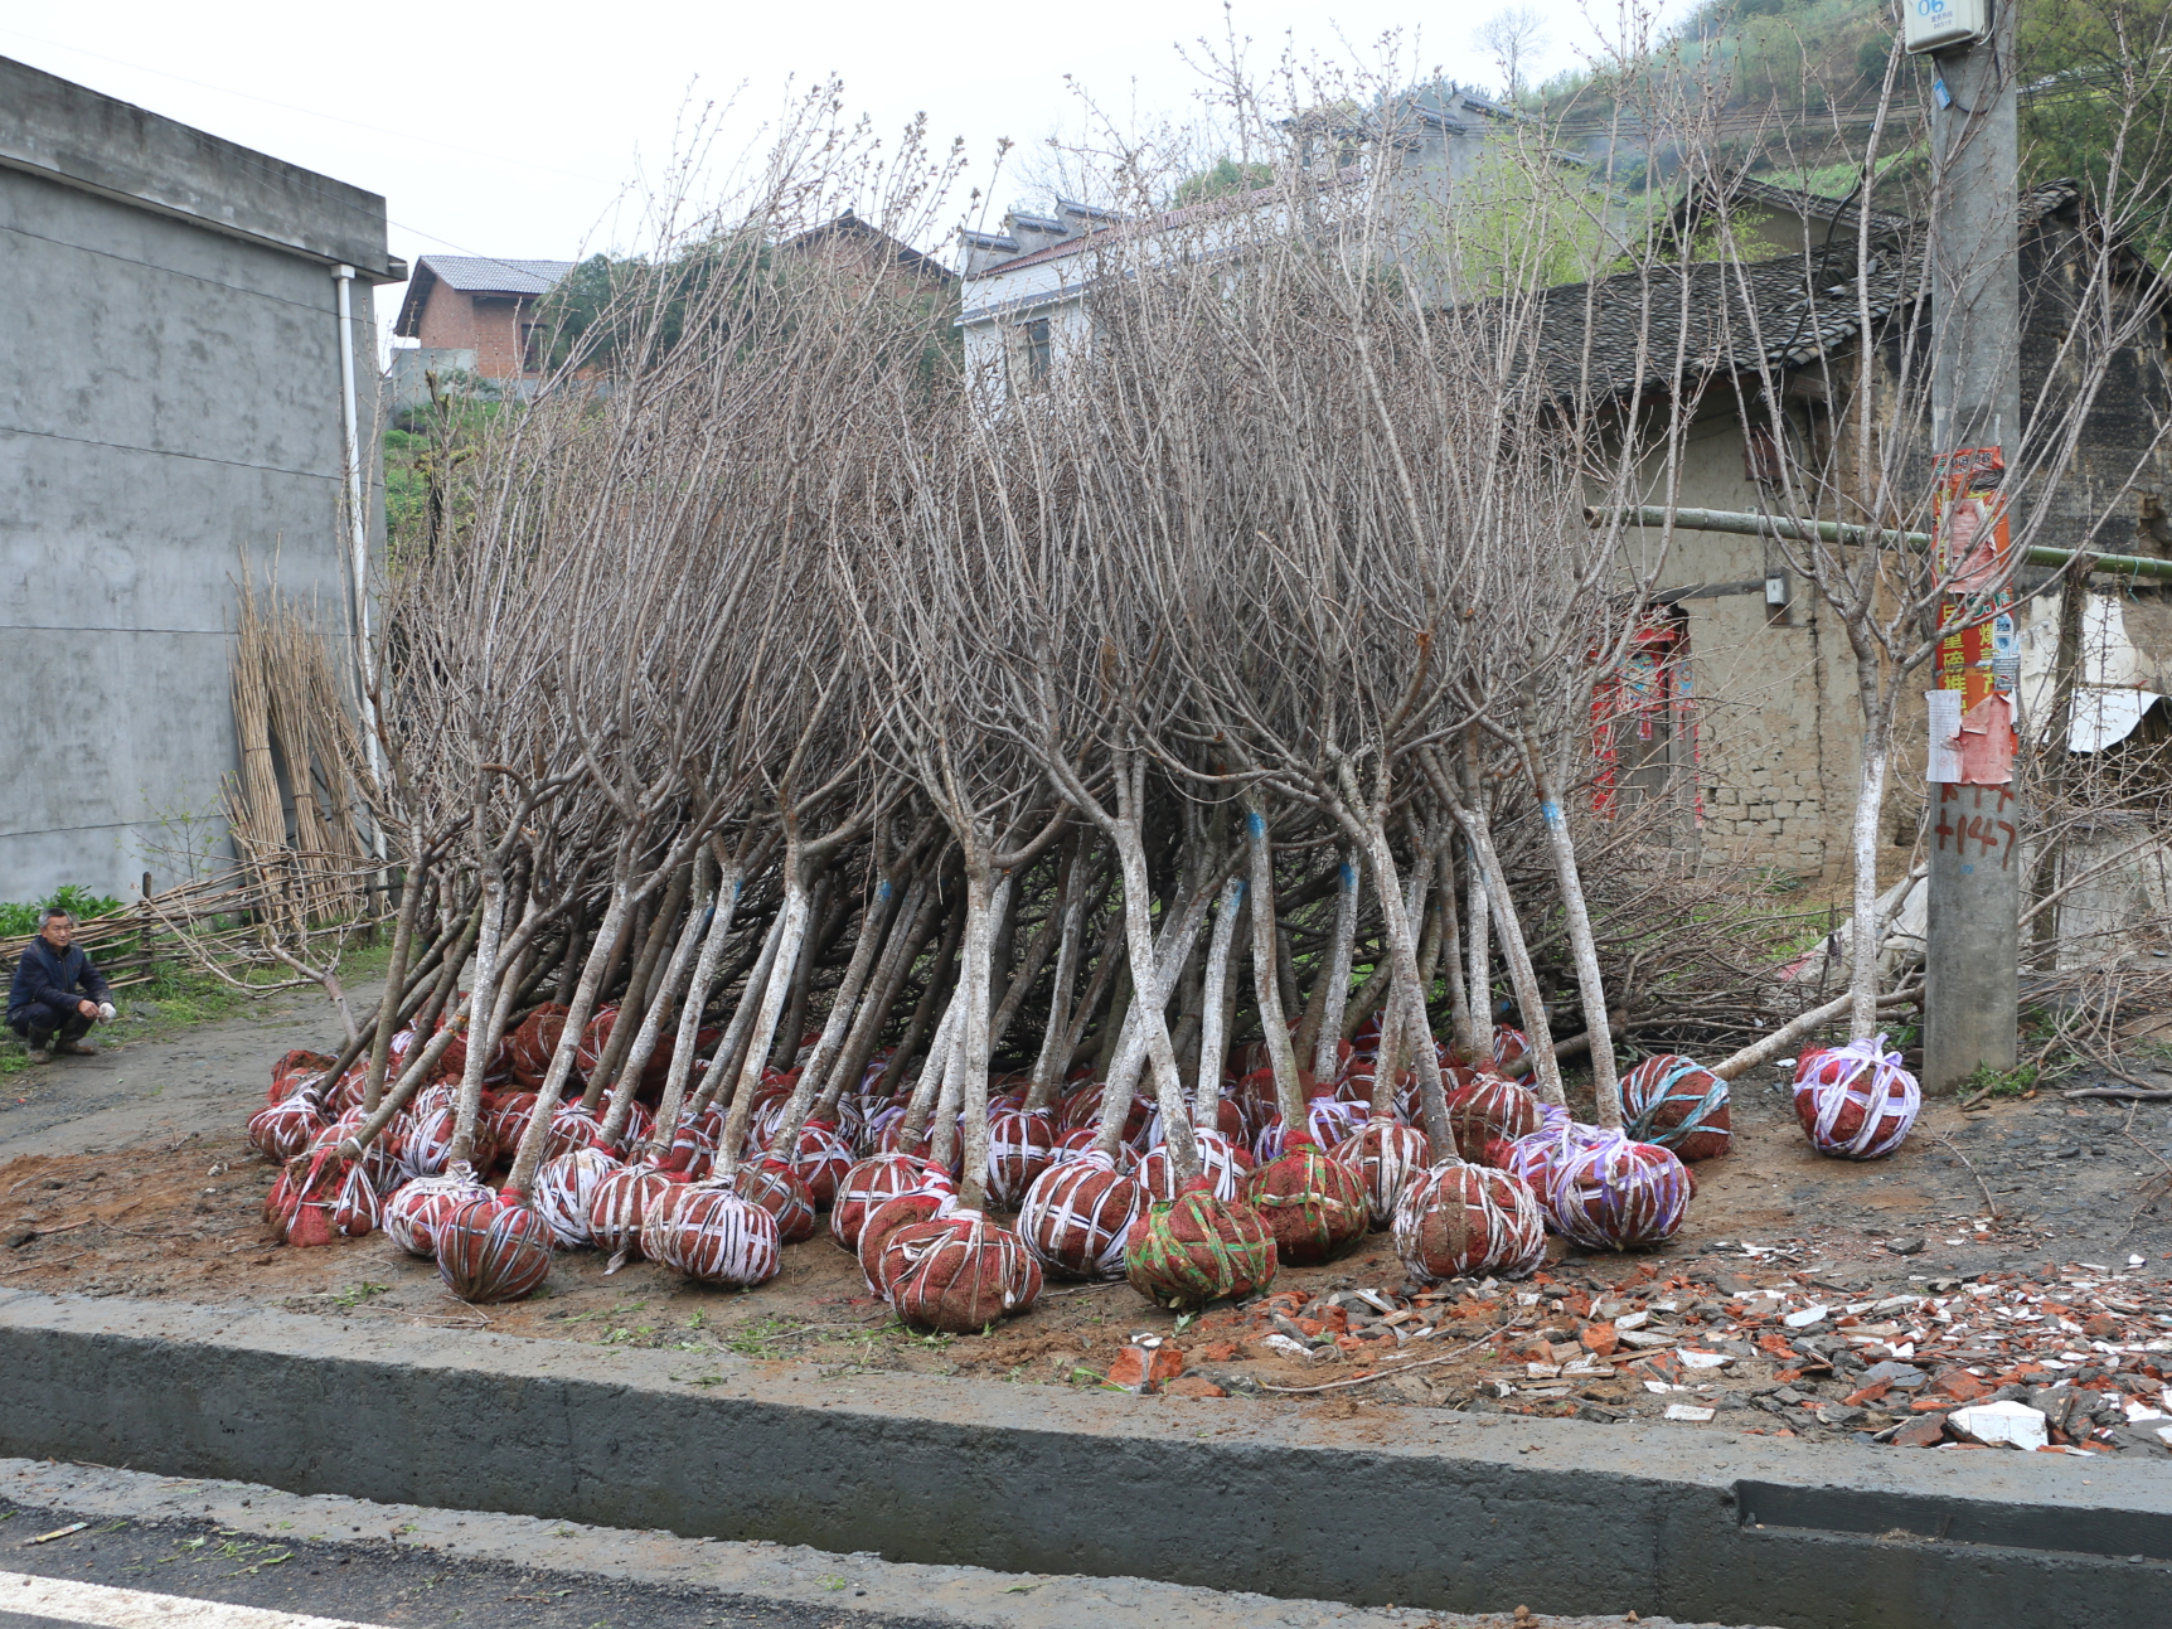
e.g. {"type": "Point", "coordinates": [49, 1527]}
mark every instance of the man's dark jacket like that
{"type": "Point", "coordinates": [48, 977]}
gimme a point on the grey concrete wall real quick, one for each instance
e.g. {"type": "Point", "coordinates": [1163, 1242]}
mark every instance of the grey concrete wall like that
{"type": "Point", "coordinates": [169, 398]}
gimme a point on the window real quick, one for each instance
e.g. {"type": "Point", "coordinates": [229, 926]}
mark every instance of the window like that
{"type": "Point", "coordinates": [1037, 348]}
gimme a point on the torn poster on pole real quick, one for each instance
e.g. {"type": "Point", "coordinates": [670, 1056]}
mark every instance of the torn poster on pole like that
{"type": "Point", "coordinates": [1971, 713]}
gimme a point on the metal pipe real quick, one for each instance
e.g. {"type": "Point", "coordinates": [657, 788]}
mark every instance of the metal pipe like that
{"type": "Point", "coordinates": [343, 280]}
{"type": "Point", "coordinates": [1747, 524]}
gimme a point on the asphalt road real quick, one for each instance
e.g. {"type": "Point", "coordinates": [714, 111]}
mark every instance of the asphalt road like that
{"type": "Point", "coordinates": [378, 1582]}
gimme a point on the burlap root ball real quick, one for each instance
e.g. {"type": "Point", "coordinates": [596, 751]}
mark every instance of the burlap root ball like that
{"type": "Point", "coordinates": [1075, 1215]}
{"type": "Point", "coordinates": [777, 1188]}
{"type": "Point", "coordinates": [1387, 1156]}
{"type": "Point", "coordinates": [1021, 1145]}
{"type": "Point", "coordinates": [713, 1236]}
{"type": "Point", "coordinates": [1619, 1195]}
{"type": "Point", "coordinates": [1077, 1144]}
{"type": "Point", "coordinates": [619, 1204]}
{"type": "Point", "coordinates": [1314, 1205]}
{"type": "Point", "coordinates": [1511, 1051]}
{"type": "Point", "coordinates": [1856, 1102]}
{"type": "Point", "coordinates": [321, 1198]}
{"type": "Point", "coordinates": [1197, 1248]}
{"type": "Point", "coordinates": [867, 1184]}
{"type": "Point", "coordinates": [1224, 1162]}
{"type": "Point", "coordinates": [281, 1130]}
{"type": "Point", "coordinates": [414, 1211]}
{"type": "Point", "coordinates": [1467, 1221]}
{"type": "Point", "coordinates": [822, 1159]}
{"type": "Point", "coordinates": [959, 1274]}
{"type": "Point", "coordinates": [1487, 1107]}
{"type": "Point", "coordinates": [1538, 1157]}
{"type": "Point", "coordinates": [572, 1127]}
{"type": "Point", "coordinates": [493, 1250]}
{"type": "Point", "coordinates": [1678, 1104]}
{"type": "Point", "coordinates": [908, 1210]}
{"type": "Point", "coordinates": [528, 1049]}
{"type": "Point", "coordinates": [565, 1192]}
{"type": "Point", "coordinates": [298, 1070]}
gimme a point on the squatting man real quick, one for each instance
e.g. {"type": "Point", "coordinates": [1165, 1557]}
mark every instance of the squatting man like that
{"type": "Point", "coordinates": [57, 994]}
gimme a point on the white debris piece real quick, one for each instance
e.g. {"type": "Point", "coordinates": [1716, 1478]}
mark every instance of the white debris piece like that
{"type": "Point", "coordinates": [1690, 1412]}
{"type": "Point", "coordinates": [1804, 1319]}
{"type": "Point", "coordinates": [2015, 1424]}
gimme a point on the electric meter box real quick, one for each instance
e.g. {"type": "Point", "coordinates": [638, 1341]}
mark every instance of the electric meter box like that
{"type": "Point", "coordinates": [1931, 25]}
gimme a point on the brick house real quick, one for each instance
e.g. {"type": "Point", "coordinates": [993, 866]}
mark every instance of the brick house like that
{"type": "Point", "coordinates": [1748, 717]}
{"type": "Point", "coordinates": [471, 314]}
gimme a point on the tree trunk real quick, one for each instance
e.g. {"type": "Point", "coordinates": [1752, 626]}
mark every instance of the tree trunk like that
{"type": "Point", "coordinates": [1327, 1048]}
{"type": "Point", "coordinates": [1214, 1007]}
{"type": "Point", "coordinates": [388, 1015]}
{"type": "Point", "coordinates": [1605, 1084]}
{"type": "Point", "coordinates": [1289, 1094]}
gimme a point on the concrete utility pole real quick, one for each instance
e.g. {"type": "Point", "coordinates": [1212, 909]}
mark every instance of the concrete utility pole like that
{"type": "Point", "coordinates": [1975, 871]}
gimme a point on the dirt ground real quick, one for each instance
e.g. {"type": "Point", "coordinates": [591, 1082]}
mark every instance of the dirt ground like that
{"type": "Point", "coordinates": [130, 1175]}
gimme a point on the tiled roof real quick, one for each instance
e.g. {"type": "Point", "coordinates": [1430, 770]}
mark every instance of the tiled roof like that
{"type": "Point", "coordinates": [1719, 317]}
{"type": "Point", "coordinates": [473, 274]}
{"type": "Point", "coordinates": [480, 274]}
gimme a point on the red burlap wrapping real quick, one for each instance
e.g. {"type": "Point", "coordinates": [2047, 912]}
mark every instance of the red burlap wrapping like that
{"type": "Point", "coordinates": [1468, 1221]}
{"type": "Point", "coordinates": [1082, 1108]}
{"type": "Point", "coordinates": [1511, 1051]}
{"type": "Point", "coordinates": [595, 1035]}
{"type": "Point", "coordinates": [493, 1250]}
{"type": "Point", "coordinates": [822, 1159]}
{"type": "Point", "coordinates": [867, 1184]}
{"type": "Point", "coordinates": [1075, 1215]}
{"type": "Point", "coordinates": [426, 1142]}
{"type": "Point", "coordinates": [1222, 1161]}
{"type": "Point", "coordinates": [1198, 1249]}
{"type": "Point", "coordinates": [281, 1130]}
{"type": "Point", "coordinates": [572, 1127]}
{"type": "Point", "coordinates": [321, 1198]}
{"type": "Point", "coordinates": [528, 1049]}
{"type": "Point", "coordinates": [619, 1205]}
{"type": "Point", "coordinates": [414, 1211]}
{"type": "Point", "coordinates": [1619, 1195]}
{"type": "Point", "coordinates": [1386, 1155]}
{"type": "Point", "coordinates": [893, 1141]}
{"type": "Point", "coordinates": [1313, 1205]}
{"type": "Point", "coordinates": [380, 1162]}
{"type": "Point", "coordinates": [1020, 1147]}
{"type": "Point", "coordinates": [346, 1092]}
{"type": "Point", "coordinates": [710, 1234]}
{"type": "Point", "coordinates": [921, 1204]}
{"type": "Point", "coordinates": [510, 1113]}
{"type": "Point", "coordinates": [1072, 1144]}
{"type": "Point", "coordinates": [565, 1192]}
{"type": "Point", "coordinates": [959, 1274]}
{"type": "Point", "coordinates": [1671, 1101]}
{"type": "Point", "coordinates": [296, 1070]}
{"type": "Point", "coordinates": [776, 1187]}
{"type": "Point", "coordinates": [1491, 1107]}
{"type": "Point", "coordinates": [693, 1146]}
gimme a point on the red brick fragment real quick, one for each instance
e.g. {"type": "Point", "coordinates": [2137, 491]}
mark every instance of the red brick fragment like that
{"type": "Point", "coordinates": [1192, 1385]}
{"type": "Point", "coordinates": [1144, 1368]}
{"type": "Point", "coordinates": [1924, 1431]}
{"type": "Point", "coordinates": [1959, 1385]}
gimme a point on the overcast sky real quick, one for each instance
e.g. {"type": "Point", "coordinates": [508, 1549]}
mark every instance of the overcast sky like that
{"type": "Point", "coordinates": [524, 131]}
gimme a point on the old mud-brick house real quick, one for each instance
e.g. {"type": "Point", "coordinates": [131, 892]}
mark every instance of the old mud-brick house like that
{"type": "Point", "coordinates": [1746, 713]}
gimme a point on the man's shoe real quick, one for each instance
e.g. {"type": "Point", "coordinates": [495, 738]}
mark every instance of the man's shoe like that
{"type": "Point", "coordinates": [40, 1053]}
{"type": "Point", "coordinates": [76, 1049]}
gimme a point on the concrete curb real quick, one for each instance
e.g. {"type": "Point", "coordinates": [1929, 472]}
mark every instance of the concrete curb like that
{"type": "Point", "coordinates": [846, 1588]}
{"type": "Point", "coordinates": [1417, 1507]}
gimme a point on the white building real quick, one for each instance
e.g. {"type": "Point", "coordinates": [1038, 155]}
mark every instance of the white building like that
{"type": "Point", "coordinates": [1023, 288]}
